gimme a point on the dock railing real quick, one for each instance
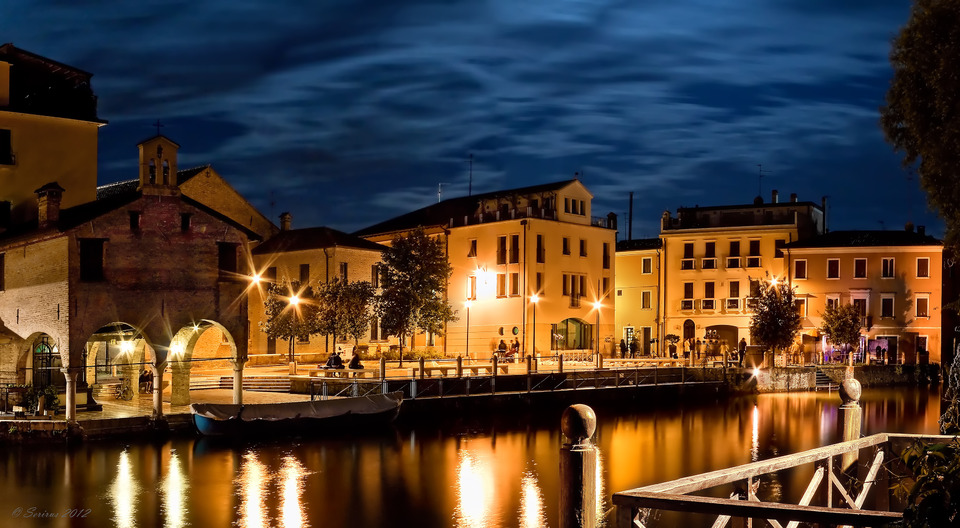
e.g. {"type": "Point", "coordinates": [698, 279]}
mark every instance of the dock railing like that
{"type": "Point", "coordinates": [843, 499]}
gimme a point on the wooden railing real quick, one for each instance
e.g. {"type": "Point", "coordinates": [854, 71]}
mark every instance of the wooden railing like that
{"type": "Point", "coordinates": [842, 498]}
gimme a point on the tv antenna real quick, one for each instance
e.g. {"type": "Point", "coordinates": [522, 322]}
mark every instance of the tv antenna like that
{"type": "Point", "coordinates": [760, 173]}
{"type": "Point", "coordinates": [440, 192]}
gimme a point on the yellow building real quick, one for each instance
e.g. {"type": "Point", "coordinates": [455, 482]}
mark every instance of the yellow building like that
{"type": "Point", "coordinates": [713, 258]}
{"type": "Point", "coordinates": [637, 298]}
{"type": "Point", "coordinates": [529, 264]}
{"type": "Point", "coordinates": [895, 279]}
{"type": "Point", "coordinates": [48, 133]}
{"type": "Point", "coordinates": [312, 256]}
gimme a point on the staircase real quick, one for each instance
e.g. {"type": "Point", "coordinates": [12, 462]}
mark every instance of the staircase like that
{"type": "Point", "coordinates": [824, 382]}
{"type": "Point", "coordinates": [251, 383]}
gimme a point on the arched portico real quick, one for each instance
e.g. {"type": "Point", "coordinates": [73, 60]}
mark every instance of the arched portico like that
{"type": "Point", "coordinates": [202, 341]}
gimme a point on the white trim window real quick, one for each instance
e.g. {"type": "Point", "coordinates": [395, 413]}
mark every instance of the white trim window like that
{"type": "Point", "coordinates": [646, 300]}
{"type": "Point", "coordinates": [833, 269]}
{"type": "Point", "coordinates": [923, 267]}
{"type": "Point", "coordinates": [888, 268]}
{"type": "Point", "coordinates": [887, 305]}
{"type": "Point", "coordinates": [801, 306]}
{"type": "Point", "coordinates": [800, 269]}
{"type": "Point", "coordinates": [923, 305]}
{"type": "Point", "coordinates": [646, 265]}
{"type": "Point", "coordinates": [833, 299]}
{"type": "Point", "coordinates": [860, 268]}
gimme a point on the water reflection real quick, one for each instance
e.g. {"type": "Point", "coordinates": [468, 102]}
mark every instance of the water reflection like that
{"type": "Point", "coordinates": [253, 491]}
{"type": "Point", "coordinates": [291, 510]}
{"type": "Point", "coordinates": [474, 491]}
{"type": "Point", "coordinates": [123, 493]}
{"type": "Point", "coordinates": [531, 503]}
{"type": "Point", "coordinates": [755, 438]}
{"type": "Point", "coordinates": [175, 494]}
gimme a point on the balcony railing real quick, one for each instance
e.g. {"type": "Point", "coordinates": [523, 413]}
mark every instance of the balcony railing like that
{"type": "Point", "coordinates": [733, 304]}
{"type": "Point", "coordinates": [708, 304]}
{"type": "Point", "coordinates": [733, 262]}
{"type": "Point", "coordinates": [753, 262]}
{"type": "Point", "coordinates": [709, 263]}
{"type": "Point", "coordinates": [688, 264]}
{"type": "Point", "coordinates": [686, 304]}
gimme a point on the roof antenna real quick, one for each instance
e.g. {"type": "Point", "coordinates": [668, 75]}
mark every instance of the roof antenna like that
{"type": "Point", "coordinates": [470, 188]}
{"type": "Point", "coordinates": [439, 191]}
{"type": "Point", "coordinates": [760, 172]}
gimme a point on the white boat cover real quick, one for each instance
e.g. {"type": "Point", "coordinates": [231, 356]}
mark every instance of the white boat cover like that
{"type": "Point", "coordinates": [371, 404]}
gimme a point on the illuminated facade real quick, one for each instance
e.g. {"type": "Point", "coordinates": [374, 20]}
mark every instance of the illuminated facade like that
{"type": "Point", "coordinates": [48, 133]}
{"type": "Point", "coordinates": [637, 296]}
{"type": "Point", "coordinates": [894, 278]}
{"type": "Point", "coordinates": [311, 256]}
{"type": "Point", "coordinates": [511, 248]}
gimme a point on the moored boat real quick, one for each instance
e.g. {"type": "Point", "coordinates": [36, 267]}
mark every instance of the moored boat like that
{"type": "Point", "coordinates": [334, 416]}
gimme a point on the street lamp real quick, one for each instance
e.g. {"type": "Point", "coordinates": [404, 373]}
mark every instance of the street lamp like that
{"type": "Point", "coordinates": [534, 299]}
{"type": "Point", "coordinates": [596, 305]}
{"type": "Point", "coordinates": [467, 305]}
{"type": "Point", "coordinates": [294, 301]}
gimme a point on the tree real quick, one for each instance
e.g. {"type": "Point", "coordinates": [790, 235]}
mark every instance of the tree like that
{"type": "Point", "coordinates": [413, 279]}
{"type": "Point", "coordinates": [842, 323]}
{"type": "Point", "coordinates": [345, 308]}
{"type": "Point", "coordinates": [776, 321]}
{"type": "Point", "coordinates": [291, 312]}
{"type": "Point", "coordinates": [921, 117]}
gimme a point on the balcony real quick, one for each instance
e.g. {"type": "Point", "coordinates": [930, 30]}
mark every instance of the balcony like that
{"type": "Point", "coordinates": [688, 264]}
{"type": "Point", "coordinates": [733, 304]}
{"type": "Point", "coordinates": [686, 304]}
{"type": "Point", "coordinates": [751, 304]}
{"type": "Point", "coordinates": [733, 262]}
{"type": "Point", "coordinates": [708, 304]}
{"type": "Point", "coordinates": [753, 262]}
{"type": "Point", "coordinates": [708, 263]}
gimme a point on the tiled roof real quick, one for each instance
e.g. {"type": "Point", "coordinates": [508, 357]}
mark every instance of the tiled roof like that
{"type": "Point", "coordinates": [185, 174]}
{"type": "Point", "coordinates": [867, 239]}
{"type": "Point", "coordinates": [441, 213]}
{"type": "Point", "coordinates": [313, 238]}
{"type": "Point", "coordinates": [639, 243]}
{"type": "Point", "coordinates": [130, 186]}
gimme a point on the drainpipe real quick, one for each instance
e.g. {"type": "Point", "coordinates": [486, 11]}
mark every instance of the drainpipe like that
{"type": "Point", "coordinates": [523, 284]}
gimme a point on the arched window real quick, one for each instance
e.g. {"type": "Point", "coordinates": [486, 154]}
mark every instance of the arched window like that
{"type": "Point", "coordinates": [166, 172]}
{"type": "Point", "coordinates": [153, 172]}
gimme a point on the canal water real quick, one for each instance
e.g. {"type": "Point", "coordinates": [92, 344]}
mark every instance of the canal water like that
{"type": "Point", "coordinates": [480, 472]}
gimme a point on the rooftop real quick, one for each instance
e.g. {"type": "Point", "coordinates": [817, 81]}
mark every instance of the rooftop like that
{"type": "Point", "coordinates": [313, 238]}
{"type": "Point", "coordinates": [43, 86]}
{"type": "Point", "coordinates": [867, 239]}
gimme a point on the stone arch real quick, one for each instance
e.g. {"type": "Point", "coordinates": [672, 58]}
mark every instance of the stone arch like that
{"type": "Point", "coordinates": [689, 329]}
{"type": "Point", "coordinates": [204, 340]}
{"type": "Point", "coordinates": [117, 349]}
{"type": "Point", "coordinates": [27, 371]}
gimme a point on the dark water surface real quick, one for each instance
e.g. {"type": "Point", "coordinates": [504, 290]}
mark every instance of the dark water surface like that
{"type": "Point", "coordinates": [482, 472]}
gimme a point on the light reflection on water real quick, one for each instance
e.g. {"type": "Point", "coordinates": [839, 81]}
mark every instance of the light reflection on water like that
{"type": "Point", "coordinates": [485, 474]}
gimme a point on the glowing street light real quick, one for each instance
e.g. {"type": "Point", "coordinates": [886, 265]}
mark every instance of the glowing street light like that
{"type": "Point", "coordinates": [534, 299]}
{"type": "Point", "coordinates": [596, 305]}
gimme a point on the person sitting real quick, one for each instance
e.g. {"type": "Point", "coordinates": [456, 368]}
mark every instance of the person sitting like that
{"type": "Point", "coordinates": [334, 361]}
{"type": "Point", "coordinates": [146, 381]}
{"type": "Point", "coordinates": [502, 349]}
{"type": "Point", "coordinates": [355, 362]}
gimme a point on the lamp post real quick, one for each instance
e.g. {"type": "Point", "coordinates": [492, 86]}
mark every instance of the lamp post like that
{"type": "Point", "coordinates": [294, 301]}
{"type": "Point", "coordinates": [467, 305]}
{"type": "Point", "coordinates": [534, 299]}
{"type": "Point", "coordinates": [596, 305]}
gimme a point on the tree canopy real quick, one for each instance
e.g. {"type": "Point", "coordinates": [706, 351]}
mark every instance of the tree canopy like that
{"type": "Point", "coordinates": [842, 323]}
{"type": "Point", "coordinates": [921, 117]}
{"type": "Point", "coordinates": [291, 311]}
{"type": "Point", "coordinates": [776, 321]}
{"type": "Point", "coordinates": [413, 280]}
{"type": "Point", "coordinates": [345, 308]}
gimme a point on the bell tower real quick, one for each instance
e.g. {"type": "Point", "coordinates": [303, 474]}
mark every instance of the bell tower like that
{"type": "Point", "coordinates": [158, 166]}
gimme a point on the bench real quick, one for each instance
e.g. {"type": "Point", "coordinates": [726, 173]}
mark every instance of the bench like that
{"type": "Point", "coordinates": [344, 373]}
{"type": "Point", "coordinates": [451, 370]}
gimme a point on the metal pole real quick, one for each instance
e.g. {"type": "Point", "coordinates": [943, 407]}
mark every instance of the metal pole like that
{"type": "Point", "coordinates": [468, 330]}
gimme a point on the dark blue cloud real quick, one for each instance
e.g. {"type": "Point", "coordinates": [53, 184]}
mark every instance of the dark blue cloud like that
{"type": "Point", "coordinates": [349, 112]}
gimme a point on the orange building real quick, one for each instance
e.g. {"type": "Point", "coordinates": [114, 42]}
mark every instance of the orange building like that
{"type": "Point", "coordinates": [895, 278]}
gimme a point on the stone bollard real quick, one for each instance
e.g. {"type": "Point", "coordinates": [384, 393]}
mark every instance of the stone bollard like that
{"type": "Point", "coordinates": [578, 468]}
{"type": "Point", "coordinates": [851, 416]}
{"type": "Point", "coordinates": [422, 362]}
{"type": "Point", "coordinates": [383, 368]}
{"type": "Point", "coordinates": [529, 365]}
{"type": "Point", "coordinates": [560, 363]}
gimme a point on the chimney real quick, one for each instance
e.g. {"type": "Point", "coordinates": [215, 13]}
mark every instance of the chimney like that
{"type": "Point", "coordinates": [908, 227]}
{"type": "Point", "coordinates": [793, 197]}
{"type": "Point", "coordinates": [285, 220]}
{"type": "Point", "coordinates": [48, 203]}
{"type": "Point", "coordinates": [922, 230]}
{"type": "Point", "coordinates": [775, 198]}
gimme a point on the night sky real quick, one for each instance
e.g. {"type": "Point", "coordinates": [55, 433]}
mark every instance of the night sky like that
{"type": "Point", "coordinates": [347, 113]}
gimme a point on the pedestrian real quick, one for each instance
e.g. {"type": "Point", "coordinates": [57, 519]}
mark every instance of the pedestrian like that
{"type": "Point", "coordinates": [741, 350]}
{"type": "Point", "coordinates": [623, 348]}
{"type": "Point", "coordinates": [686, 348]}
{"type": "Point", "coordinates": [355, 362]}
{"type": "Point", "coordinates": [699, 346]}
{"type": "Point", "coordinates": [633, 348]}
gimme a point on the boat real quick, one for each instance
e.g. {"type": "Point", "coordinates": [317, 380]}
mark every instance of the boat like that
{"type": "Point", "coordinates": [333, 416]}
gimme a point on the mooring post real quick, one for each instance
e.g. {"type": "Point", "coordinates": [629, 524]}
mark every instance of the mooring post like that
{"type": "Point", "coordinates": [560, 363]}
{"type": "Point", "coordinates": [578, 468]}
{"type": "Point", "coordinates": [422, 362]}
{"type": "Point", "coordinates": [460, 366]}
{"type": "Point", "coordinates": [383, 368]}
{"type": "Point", "coordinates": [851, 416]}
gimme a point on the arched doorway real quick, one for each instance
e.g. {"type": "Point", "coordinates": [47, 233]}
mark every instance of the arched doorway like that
{"type": "Point", "coordinates": [45, 362]}
{"type": "Point", "coordinates": [115, 350]}
{"type": "Point", "coordinates": [204, 345]}
{"type": "Point", "coordinates": [689, 329]}
{"type": "Point", "coordinates": [571, 334]}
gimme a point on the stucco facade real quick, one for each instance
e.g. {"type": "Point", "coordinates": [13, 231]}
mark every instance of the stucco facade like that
{"type": "Point", "coordinates": [637, 295]}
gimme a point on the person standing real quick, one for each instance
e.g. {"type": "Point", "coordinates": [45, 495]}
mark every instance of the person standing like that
{"type": "Point", "coordinates": [699, 346]}
{"type": "Point", "coordinates": [633, 348]}
{"type": "Point", "coordinates": [623, 348]}
{"type": "Point", "coordinates": [741, 350]}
